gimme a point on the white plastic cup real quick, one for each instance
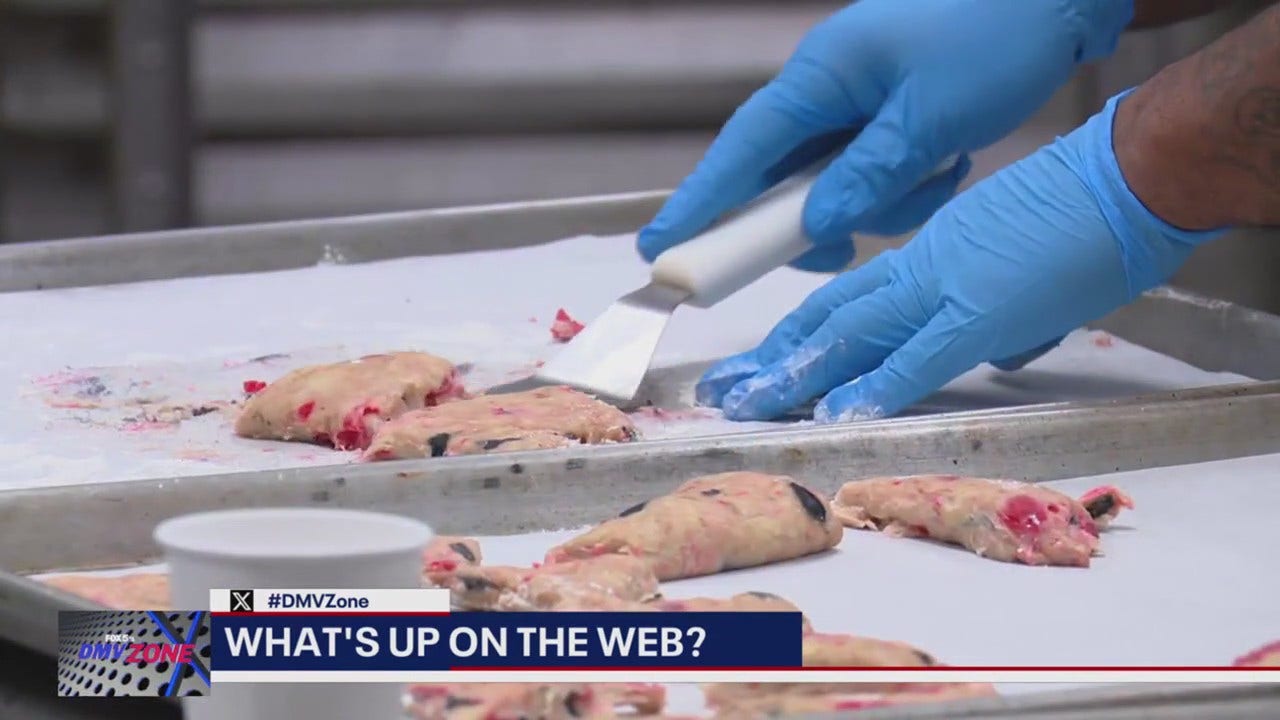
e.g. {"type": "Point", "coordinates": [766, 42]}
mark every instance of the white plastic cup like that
{"type": "Point", "coordinates": [292, 548]}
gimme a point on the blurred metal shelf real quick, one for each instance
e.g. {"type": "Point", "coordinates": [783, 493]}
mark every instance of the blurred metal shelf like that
{"type": "Point", "coordinates": [445, 69]}
{"type": "Point", "coordinates": [73, 106]}
{"type": "Point", "coordinates": [247, 182]}
{"type": "Point", "coordinates": [54, 102]}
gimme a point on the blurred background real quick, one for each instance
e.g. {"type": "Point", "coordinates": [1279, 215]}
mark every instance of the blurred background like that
{"type": "Point", "coordinates": [151, 114]}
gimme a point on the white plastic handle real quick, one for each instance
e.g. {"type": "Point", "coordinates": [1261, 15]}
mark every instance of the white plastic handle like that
{"type": "Point", "coordinates": [762, 237]}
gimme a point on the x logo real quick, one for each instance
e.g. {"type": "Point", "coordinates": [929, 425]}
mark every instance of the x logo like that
{"type": "Point", "coordinates": [241, 601]}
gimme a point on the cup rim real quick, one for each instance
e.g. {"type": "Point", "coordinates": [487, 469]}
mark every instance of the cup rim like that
{"type": "Point", "coordinates": [174, 535]}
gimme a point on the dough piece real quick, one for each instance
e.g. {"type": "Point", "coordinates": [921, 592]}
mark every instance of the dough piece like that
{"type": "Point", "coordinates": [533, 701]}
{"type": "Point", "coordinates": [1265, 656]}
{"type": "Point", "coordinates": [998, 519]}
{"type": "Point", "coordinates": [589, 601]}
{"type": "Point", "coordinates": [345, 403]}
{"type": "Point", "coordinates": [830, 650]}
{"type": "Point", "coordinates": [788, 703]}
{"type": "Point", "coordinates": [565, 328]}
{"type": "Point", "coordinates": [1104, 504]}
{"type": "Point", "coordinates": [445, 554]}
{"type": "Point", "coordinates": [833, 650]}
{"type": "Point", "coordinates": [553, 587]}
{"type": "Point", "coordinates": [539, 419]}
{"type": "Point", "coordinates": [715, 523]}
{"type": "Point", "coordinates": [139, 591]}
{"type": "Point", "coordinates": [742, 602]}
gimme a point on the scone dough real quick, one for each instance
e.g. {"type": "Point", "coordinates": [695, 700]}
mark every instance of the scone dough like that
{"type": "Point", "coordinates": [344, 404]}
{"type": "Point", "coordinates": [836, 650]}
{"type": "Point", "coordinates": [715, 523]}
{"type": "Point", "coordinates": [533, 701]}
{"type": "Point", "coordinates": [998, 519]}
{"type": "Point", "coordinates": [1265, 656]}
{"type": "Point", "coordinates": [445, 554]}
{"type": "Point", "coordinates": [795, 701]}
{"type": "Point", "coordinates": [742, 602]}
{"type": "Point", "coordinates": [545, 418]}
{"type": "Point", "coordinates": [1104, 503]}
{"type": "Point", "coordinates": [553, 587]}
{"type": "Point", "coordinates": [139, 591]}
{"type": "Point", "coordinates": [831, 650]}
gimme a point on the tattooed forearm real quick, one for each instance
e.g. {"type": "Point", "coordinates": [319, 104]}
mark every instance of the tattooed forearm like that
{"type": "Point", "coordinates": [1199, 143]}
{"type": "Point", "coordinates": [1258, 113]}
{"type": "Point", "coordinates": [1158, 13]}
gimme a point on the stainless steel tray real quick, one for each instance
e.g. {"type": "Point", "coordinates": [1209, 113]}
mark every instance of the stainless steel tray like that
{"type": "Point", "coordinates": [522, 492]}
{"type": "Point", "coordinates": [113, 259]}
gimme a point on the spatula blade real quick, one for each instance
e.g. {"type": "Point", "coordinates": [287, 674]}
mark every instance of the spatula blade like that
{"type": "Point", "coordinates": [610, 358]}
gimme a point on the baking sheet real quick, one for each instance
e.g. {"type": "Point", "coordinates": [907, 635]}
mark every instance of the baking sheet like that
{"type": "Point", "coordinates": [131, 382]}
{"type": "Point", "coordinates": [1186, 579]}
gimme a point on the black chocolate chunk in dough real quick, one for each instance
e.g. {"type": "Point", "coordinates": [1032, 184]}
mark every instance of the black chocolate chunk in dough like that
{"type": "Point", "coordinates": [438, 444]}
{"type": "Point", "coordinates": [495, 444]}
{"type": "Point", "coordinates": [711, 492]}
{"type": "Point", "coordinates": [811, 503]}
{"type": "Point", "coordinates": [573, 703]}
{"type": "Point", "coordinates": [476, 584]}
{"type": "Point", "coordinates": [463, 550]}
{"type": "Point", "coordinates": [925, 658]}
{"type": "Point", "coordinates": [633, 509]}
{"type": "Point", "coordinates": [1101, 505]}
{"type": "Point", "coordinates": [456, 702]}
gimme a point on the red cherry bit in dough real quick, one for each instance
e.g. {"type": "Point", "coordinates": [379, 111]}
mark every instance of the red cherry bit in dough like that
{"type": "Point", "coordinates": [354, 433]}
{"type": "Point", "coordinates": [565, 327]}
{"type": "Point", "coordinates": [305, 409]}
{"type": "Point", "coordinates": [1024, 515]}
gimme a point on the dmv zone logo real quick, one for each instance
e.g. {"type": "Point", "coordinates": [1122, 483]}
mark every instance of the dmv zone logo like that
{"type": "Point", "coordinates": [136, 653]}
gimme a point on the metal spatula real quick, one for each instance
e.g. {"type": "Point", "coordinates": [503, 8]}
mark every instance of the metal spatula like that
{"type": "Point", "coordinates": [610, 358]}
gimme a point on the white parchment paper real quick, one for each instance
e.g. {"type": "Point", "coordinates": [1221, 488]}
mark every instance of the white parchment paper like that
{"type": "Point", "coordinates": [86, 371]}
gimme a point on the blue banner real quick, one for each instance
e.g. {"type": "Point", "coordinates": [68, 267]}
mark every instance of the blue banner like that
{"type": "Point", "coordinates": [506, 640]}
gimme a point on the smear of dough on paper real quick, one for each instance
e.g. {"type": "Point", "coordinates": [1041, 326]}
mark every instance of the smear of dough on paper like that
{"type": "Point", "coordinates": [138, 591]}
{"type": "Point", "coordinates": [998, 519]}
{"type": "Point", "coordinates": [545, 418]}
{"type": "Point", "coordinates": [715, 523]}
{"type": "Point", "coordinates": [344, 404]}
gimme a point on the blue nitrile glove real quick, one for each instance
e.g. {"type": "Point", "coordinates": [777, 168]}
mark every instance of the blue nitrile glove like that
{"type": "Point", "coordinates": [927, 78]}
{"type": "Point", "coordinates": [1033, 252]}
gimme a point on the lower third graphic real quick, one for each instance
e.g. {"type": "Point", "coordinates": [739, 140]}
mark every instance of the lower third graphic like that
{"type": "Point", "coordinates": [133, 653]}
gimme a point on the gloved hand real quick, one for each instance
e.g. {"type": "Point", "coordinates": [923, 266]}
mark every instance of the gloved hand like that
{"type": "Point", "coordinates": [927, 78]}
{"type": "Point", "coordinates": [1025, 256]}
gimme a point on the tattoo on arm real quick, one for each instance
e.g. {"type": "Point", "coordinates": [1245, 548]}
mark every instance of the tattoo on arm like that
{"type": "Point", "coordinates": [1199, 143]}
{"type": "Point", "coordinates": [1257, 119]}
